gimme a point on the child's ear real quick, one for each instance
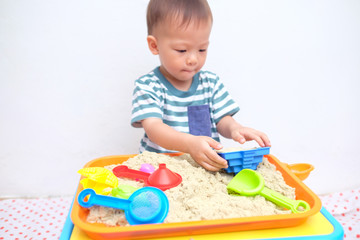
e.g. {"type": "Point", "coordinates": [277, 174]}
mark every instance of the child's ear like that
{"type": "Point", "coordinates": [152, 43]}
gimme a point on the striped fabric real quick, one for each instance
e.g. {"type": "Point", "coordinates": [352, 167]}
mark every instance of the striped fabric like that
{"type": "Point", "coordinates": [155, 97]}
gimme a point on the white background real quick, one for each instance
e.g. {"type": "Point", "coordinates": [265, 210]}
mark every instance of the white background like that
{"type": "Point", "coordinates": [67, 70]}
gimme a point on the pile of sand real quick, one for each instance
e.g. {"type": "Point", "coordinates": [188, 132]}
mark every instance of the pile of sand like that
{"type": "Point", "coordinates": [202, 195]}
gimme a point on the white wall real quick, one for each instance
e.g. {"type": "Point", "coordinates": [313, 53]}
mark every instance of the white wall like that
{"type": "Point", "coordinates": [67, 69]}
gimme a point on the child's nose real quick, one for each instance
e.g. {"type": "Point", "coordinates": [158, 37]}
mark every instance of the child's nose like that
{"type": "Point", "coordinates": [191, 60]}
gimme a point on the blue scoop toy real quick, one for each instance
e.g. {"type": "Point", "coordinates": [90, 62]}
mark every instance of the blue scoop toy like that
{"type": "Point", "coordinates": [146, 205]}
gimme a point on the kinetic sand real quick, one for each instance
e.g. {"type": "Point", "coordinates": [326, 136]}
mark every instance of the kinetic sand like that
{"type": "Point", "coordinates": [202, 195]}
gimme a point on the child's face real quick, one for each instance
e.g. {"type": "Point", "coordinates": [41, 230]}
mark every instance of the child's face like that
{"type": "Point", "coordinates": [182, 51]}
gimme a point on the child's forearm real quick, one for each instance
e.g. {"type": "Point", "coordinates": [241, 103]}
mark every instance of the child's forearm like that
{"type": "Point", "coordinates": [226, 126]}
{"type": "Point", "coordinates": [165, 136]}
{"type": "Point", "coordinates": [201, 148]}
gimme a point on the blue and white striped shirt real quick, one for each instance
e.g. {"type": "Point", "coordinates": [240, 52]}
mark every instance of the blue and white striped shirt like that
{"type": "Point", "coordinates": [154, 96]}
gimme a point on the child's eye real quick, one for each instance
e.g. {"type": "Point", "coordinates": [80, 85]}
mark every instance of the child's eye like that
{"type": "Point", "coordinates": [180, 50]}
{"type": "Point", "coordinates": [202, 50]}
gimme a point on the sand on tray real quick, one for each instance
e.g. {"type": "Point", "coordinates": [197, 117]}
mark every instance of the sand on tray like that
{"type": "Point", "coordinates": [202, 195]}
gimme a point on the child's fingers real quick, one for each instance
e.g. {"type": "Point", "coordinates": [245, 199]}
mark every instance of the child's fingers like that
{"type": "Point", "coordinates": [262, 139]}
{"type": "Point", "coordinates": [214, 144]}
{"type": "Point", "coordinates": [239, 138]}
{"type": "Point", "coordinates": [252, 134]}
{"type": "Point", "coordinates": [259, 140]}
{"type": "Point", "coordinates": [209, 163]}
{"type": "Point", "coordinates": [216, 160]}
{"type": "Point", "coordinates": [210, 167]}
{"type": "Point", "coordinates": [266, 140]}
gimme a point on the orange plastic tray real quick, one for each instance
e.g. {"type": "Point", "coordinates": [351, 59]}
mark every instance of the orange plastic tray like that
{"type": "Point", "coordinates": [101, 231]}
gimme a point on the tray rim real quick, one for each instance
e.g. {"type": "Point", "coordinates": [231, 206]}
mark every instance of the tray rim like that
{"type": "Point", "coordinates": [101, 231]}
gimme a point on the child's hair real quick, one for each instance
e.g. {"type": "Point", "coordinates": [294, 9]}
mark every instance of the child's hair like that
{"type": "Point", "coordinates": [182, 10]}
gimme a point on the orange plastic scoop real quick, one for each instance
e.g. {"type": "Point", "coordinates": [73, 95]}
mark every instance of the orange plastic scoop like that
{"type": "Point", "coordinates": [301, 170]}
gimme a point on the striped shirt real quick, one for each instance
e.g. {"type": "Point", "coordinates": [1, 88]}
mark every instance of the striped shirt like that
{"type": "Point", "coordinates": [155, 97]}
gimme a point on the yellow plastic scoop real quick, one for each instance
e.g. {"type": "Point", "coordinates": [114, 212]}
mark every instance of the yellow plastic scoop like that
{"type": "Point", "coordinates": [249, 183]}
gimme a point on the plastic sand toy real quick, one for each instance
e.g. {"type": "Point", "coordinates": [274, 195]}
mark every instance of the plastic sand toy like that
{"type": "Point", "coordinates": [243, 159]}
{"type": "Point", "coordinates": [98, 178]}
{"type": "Point", "coordinates": [146, 205]}
{"type": "Point", "coordinates": [250, 183]}
{"type": "Point", "coordinates": [219, 227]}
{"type": "Point", "coordinates": [163, 178]}
{"type": "Point", "coordinates": [123, 191]}
{"type": "Point", "coordinates": [146, 167]}
{"type": "Point", "coordinates": [301, 170]}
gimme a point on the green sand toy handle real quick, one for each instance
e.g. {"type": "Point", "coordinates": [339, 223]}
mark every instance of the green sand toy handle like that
{"type": "Point", "coordinates": [281, 200]}
{"type": "Point", "coordinates": [250, 183]}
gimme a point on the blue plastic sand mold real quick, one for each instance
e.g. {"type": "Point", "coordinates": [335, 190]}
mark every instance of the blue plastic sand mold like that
{"type": "Point", "coordinates": [244, 159]}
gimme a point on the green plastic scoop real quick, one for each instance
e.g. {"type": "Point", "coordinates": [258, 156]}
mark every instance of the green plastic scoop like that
{"type": "Point", "coordinates": [249, 183]}
{"type": "Point", "coordinates": [123, 191]}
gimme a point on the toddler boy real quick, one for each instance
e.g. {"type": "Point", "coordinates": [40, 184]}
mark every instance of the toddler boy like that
{"type": "Point", "coordinates": [180, 106]}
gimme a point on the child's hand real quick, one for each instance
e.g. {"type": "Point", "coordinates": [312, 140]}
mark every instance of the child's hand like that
{"type": "Point", "coordinates": [229, 128]}
{"type": "Point", "coordinates": [201, 149]}
{"type": "Point", "coordinates": [242, 134]}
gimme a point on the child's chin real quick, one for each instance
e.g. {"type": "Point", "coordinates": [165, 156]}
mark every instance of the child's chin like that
{"type": "Point", "coordinates": [187, 75]}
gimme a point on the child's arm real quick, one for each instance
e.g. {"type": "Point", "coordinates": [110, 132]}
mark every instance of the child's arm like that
{"type": "Point", "coordinates": [229, 128]}
{"type": "Point", "coordinates": [199, 147]}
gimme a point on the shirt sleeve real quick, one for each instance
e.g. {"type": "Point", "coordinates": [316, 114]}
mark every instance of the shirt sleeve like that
{"type": "Point", "coordinates": [223, 103]}
{"type": "Point", "coordinates": [145, 103]}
